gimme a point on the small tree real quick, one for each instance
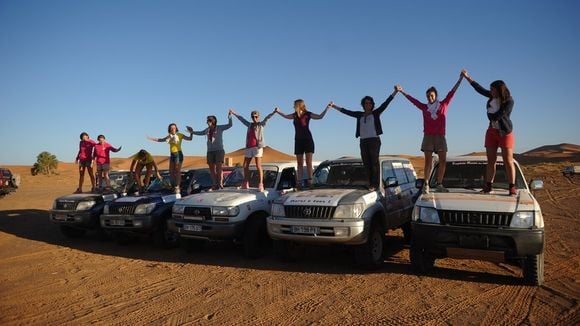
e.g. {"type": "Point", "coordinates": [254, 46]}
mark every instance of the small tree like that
{"type": "Point", "coordinates": [46, 164]}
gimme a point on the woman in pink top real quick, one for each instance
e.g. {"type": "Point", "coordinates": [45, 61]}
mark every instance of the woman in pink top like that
{"type": "Point", "coordinates": [85, 160]}
{"type": "Point", "coordinates": [434, 115]}
{"type": "Point", "coordinates": [103, 160]}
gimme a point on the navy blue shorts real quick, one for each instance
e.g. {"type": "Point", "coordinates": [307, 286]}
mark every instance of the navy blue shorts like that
{"type": "Point", "coordinates": [176, 157]}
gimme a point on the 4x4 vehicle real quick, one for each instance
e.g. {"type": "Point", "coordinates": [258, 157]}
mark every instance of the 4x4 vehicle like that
{"type": "Point", "coordinates": [147, 213]}
{"type": "Point", "coordinates": [466, 223]}
{"type": "Point", "coordinates": [8, 181]}
{"type": "Point", "coordinates": [232, 213]}
{"type": "Point", "coordinates": [571, 170]}
{"type": "Point", "coordinates": [341, 210]}
{"type": "Point", "coordinates": [78, 213]}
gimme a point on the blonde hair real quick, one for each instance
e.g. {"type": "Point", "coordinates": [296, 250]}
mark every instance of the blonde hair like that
{"type": "Point", "coordinates": [300, 107]}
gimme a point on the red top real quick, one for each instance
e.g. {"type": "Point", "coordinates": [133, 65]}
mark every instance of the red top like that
{"type": "Point", "coordinates": [102, 153]}
{"type": "Point", "coordinates": [251, 140]}
{"type": "Point", "coordinates": [86, 150]}
{"type": "Point", "coordinates": [430, 126]}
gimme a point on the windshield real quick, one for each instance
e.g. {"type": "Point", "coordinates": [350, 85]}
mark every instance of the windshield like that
{"type": "Point", "coordinates": [471, 175]}
{"type": "Point", "coordinates": [160, 185]}
{"type": "Point", "coordinates": [235, 178]}
{"type": "Point", "coordinates": [121, 181]}
{"type": "Point", "coordinates": [341, 175]}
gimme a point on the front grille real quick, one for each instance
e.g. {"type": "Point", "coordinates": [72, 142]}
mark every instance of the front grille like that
{"type": "Point", "coordinates": [66, 205]}
{"type": "Point", "coordinates": [491, 219]}
{"type": "Point", "coordinates": [122, 209]}
{"type": "Point", "coordinates": [204, 212]}
{"type": "Point", "coordinates": [318, 212]}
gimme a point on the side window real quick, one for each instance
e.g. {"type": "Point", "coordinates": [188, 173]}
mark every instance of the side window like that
{"type": "Point", "coordinates": [410, 172]}
{"type": "Point", "coordinates": [287, 179]}
{"type": "Point", "coordinates": [400, 172]}
{"type": "Point", "coordinates": [204, 179]}
{"type": "Point", "coordinates": [388, 171]}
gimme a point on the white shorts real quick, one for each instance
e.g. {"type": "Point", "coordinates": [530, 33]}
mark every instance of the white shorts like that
{"type": "Point", "coordinates": [254, 152]}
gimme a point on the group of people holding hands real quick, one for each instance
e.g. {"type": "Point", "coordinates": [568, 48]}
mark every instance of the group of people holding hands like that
{"type": "Point", "coordinates": [368, 129]}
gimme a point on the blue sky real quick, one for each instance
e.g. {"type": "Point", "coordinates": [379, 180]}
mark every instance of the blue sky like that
{"type": "Point", "coordinates": [126, 69]}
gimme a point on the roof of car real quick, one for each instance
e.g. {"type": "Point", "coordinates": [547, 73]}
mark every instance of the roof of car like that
{"type": "Point", "coordinates": [476, 158]}
{"type": "Point", "coordinates": [354, 159]}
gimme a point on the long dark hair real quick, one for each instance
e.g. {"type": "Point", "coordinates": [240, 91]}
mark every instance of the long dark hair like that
{"type": "Point", "coordinates": [502, 90]}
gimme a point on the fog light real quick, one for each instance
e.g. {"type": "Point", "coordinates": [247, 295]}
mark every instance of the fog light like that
{"type": "Point", "coordinates": [341, 232]}
{"type": "Point", "coordinates": [221, 219]}
{"type": "Point", "coordinates": [138, 224]}
{"type": "Point", "coordinates": [275, 228]}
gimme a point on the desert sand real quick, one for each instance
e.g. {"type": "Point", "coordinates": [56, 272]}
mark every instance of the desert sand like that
{"type": "Point", "coordinates": [47, 279]}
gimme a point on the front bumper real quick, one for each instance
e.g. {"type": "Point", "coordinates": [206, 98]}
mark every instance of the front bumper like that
{"type": "Point", "coordinates": [81, 219]}
{"type": "Point", "coordinates": [349, 232]}
{"type": "Point", "coordinates": [129, 223]}
{"type": "Point", "coordinates": [514, 243]}
{"type": "Point", "coordinates": [206, 230]}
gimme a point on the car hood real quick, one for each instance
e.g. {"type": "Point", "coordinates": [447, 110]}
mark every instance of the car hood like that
{"type": "Point", "coordinates": [86, 197]}
{"type": "Point", "coordinates": [148, 198]}
{"type": "Point", "coordinates": [225, 197]}
{"type": "Point", "coordinates": [469, 200]}
{"type": "Point", "coordinates": [328, 197]}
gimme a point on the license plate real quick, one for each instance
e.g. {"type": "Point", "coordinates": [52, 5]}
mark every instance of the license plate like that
{"type": "Point", "coordinates": [305, 229]}
{"type": "Point", "coordinates": [118, 222]}
{"type": "Point", "coordinates": [59, 217]}
{"type": "Point", "coordinates": [192, 227]}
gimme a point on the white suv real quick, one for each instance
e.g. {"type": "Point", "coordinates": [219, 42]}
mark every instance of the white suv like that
{"type": "Point", "coordinates": [467, 223]}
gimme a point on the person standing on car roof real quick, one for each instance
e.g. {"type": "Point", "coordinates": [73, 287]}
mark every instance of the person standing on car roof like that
{"type": "Point", "coordinates": [174, 139]}
{"type": "Point", "coordinates": [215, 147]}
{"type": "Point", "coordinates": [368, 128]}
{"type": "Point", "coordinates": [500, 131]}
{"type": "Point", "coordinates": [103, 161]}
{"type": "Point", "coordinates": [85, 160]}
{"type": "Point", "coordinates": [303, 141]}
{"type": "Point", "coordinates": [434, 116]}
{"type": "Point", "coordinates": [254, 146]}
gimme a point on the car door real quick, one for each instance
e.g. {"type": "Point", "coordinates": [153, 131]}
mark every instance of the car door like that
{"type": "Point", "coordinates": [392, 198]}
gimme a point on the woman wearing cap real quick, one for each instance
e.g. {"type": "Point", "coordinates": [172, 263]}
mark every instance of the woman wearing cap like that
{"type": "Point", "coordinates": [215, 147]}
{"type": "Point", "coordinates": [254, 145]}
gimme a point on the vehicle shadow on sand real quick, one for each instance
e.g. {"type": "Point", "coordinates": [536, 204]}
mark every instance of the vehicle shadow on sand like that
{"type": "Point", "coordinates": [34, 225]}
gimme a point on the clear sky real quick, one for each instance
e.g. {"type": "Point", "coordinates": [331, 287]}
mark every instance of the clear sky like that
{"type": "Point", "coordinates": [126, 69]}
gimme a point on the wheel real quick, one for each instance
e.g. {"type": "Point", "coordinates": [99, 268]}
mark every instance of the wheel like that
{"type": "Point", "coordinates": [191, 245]}
{"type": "Point", "coordinates": [421, 260]}
{"type": "Point", "coordinates": [370, 255]}
{"type": "Point", "coordinates": [163, 238]}
{"type": "Point", "coordinates": [256, 240]}
{"type": "Point", "coordinates": [407, 232]}
{"type": "Point", "coordinates": [534, 269]}
{"type": "Point", "coordinates": [288, 251]}
{"type": "Point", "coordinates": [71, 232]}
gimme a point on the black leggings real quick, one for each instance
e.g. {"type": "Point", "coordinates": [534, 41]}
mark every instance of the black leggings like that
{"type": "Point", "coordinates": [369, 152]}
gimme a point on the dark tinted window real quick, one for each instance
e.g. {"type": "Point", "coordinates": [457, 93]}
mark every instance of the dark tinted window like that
{"type": "Point", "coordinates": [400, 172]}
{"type": "Point", "coordinates": [388, 171]}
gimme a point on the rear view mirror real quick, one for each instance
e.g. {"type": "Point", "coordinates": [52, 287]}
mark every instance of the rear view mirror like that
{"type": "Point", "coordinates": [419, 183]}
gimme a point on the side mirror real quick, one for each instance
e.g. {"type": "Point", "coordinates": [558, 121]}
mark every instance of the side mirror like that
{"type": "Point", "coordinates": [286, 185]}
{"type": "Point", "coordinates": [390, 182]}
{"type": "Point", "coordinates": [419, 183]}
{"type": "Point", "coordinates": [195, 186]}
{"type": "Point", "coordinates": [536, 184]}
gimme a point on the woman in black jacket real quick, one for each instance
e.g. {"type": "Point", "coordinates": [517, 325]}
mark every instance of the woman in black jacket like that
{"type": "Point", "coordinates": [368, 129]}
{"type": "Point", "coordinates": [500, 131]}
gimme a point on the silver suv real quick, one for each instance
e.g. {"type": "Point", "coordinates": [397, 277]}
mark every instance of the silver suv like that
{"type": "Point", "coordinates": [341, 210]}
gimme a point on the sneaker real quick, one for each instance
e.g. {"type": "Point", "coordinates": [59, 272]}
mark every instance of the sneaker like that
{"type": "Point", "coordinates": [425, 189]}
{"type": "Point", "coordinates": [371, 189]}
{"type": "Point", "coordinates": [440, 188]}
{"type": "Point", "coordinates": [177, 190]}
{"type": "Point", "coordinates": [486, 188]}
{"type": "Point", "coordinates": [261, 187]}
{"type": "Point", "coordinates": [513, 189]}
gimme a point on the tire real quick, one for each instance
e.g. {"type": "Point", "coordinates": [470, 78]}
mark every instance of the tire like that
{"type": "Point", "coordinates": [534, 269]}
{"type": "Point", "coordinates": [407, 232]}
{"type": "Point", "coordinates": [421, 260]}
{"type": "Point", "coordinates": [370, 255]}
{"type": "Point", "coordinates": [256, 240]}
{"type": "Point", "coordinates": [191, 245]}
{"type": "Point", "coordinates": [287, 251]}
{"type": "Point", "coordinates": [72, 233]}
{"type": "Point", "coordinates": [163, 238]}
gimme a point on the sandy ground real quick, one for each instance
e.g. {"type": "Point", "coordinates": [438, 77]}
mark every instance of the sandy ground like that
{"type": "Point", "coordinates": [46, 279]}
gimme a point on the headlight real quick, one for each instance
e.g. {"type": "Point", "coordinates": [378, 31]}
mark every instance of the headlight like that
{"type": "Point", "coordinates": [426, 214]}
{"type": "Point", "coordinates": [522, 220]}
{"type": "Point", "coordinates": [225, 211]}
{"type": "Point", "coordinates": [145, 209]}
{"type": "Point", "coordinates": [278, 210]}
{"type": "Point", "coordinates": [178, 209]}
{"type": "Point", "coordinates": [54, 204]}
{"type": "Point", "coordinates": [106, 209]}
{"type": "Point", "coordinates": [349, 211]}
{"type": "Point", "coordinates": [85, 205]}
